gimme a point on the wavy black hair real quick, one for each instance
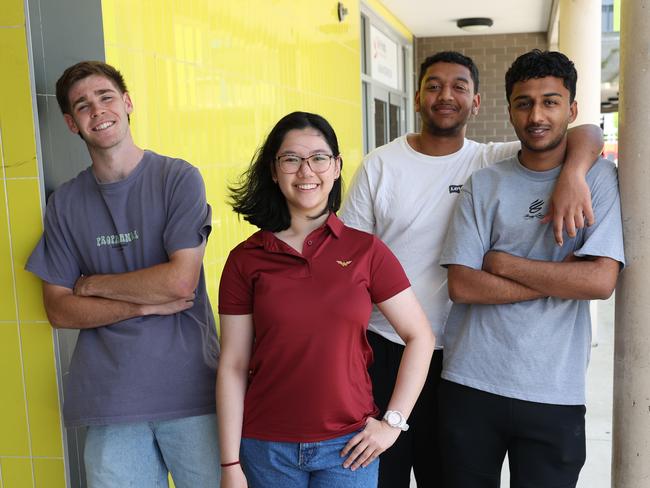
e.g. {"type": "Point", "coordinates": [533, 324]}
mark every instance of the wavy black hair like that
{"type": "Point", "coordinates": [540, 64]}
{"type": "Point", "coordinates": [257, 198]}
{"type": "Point", "coordinates": [450, 57]}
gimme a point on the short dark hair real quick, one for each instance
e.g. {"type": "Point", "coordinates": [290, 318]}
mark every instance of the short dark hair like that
{"type": "Point", "coordinates": [450, 57]}
{"type": "Point", "coordinates": [83, 70]}
{"type": "Point", "coordinates": [540, 64]}
{"type": "Point", "coordinates": [257, 198]}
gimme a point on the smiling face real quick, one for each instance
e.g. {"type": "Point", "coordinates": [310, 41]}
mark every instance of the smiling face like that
{"type": "Point", "coordinates": [446, 99]}
{"type": "Point", "coordinates": [306, 192]}
{"type": "Point", "coordinates": [99, 112]}
{"type": "Point", "coordinates": [541, 111]}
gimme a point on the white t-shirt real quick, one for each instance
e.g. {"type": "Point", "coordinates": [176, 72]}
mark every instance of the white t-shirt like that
{"type": "Point", "coordinates": [406, 199]}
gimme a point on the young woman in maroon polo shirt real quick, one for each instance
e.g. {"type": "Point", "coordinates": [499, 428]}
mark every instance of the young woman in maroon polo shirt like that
{"type": "Point", "coordinates": [293, 392]}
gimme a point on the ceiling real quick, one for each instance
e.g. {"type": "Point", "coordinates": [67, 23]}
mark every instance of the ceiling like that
{"type": "Point", "coordinates": [434, 18]}
{"type": "Point", "coordinates": [437, 18]}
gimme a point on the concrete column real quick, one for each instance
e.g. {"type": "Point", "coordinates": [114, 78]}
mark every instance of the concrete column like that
{"type": "Point", "coordinates": [631, 434]}
{"type": "Point", "coordinates": [580, 29]}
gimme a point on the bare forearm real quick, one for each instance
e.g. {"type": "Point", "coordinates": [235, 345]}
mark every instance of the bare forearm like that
{"type": "Point", "coordinates": [584, 146]}
{"type": "Point", "coordinates": [154, 285]}
{"type": "Point", "coordinates": [73, 312]}
{"type": "Point", "coordinates": [231, 389]}
{"type": "Point", "coordinates": [162, 283]}
{"type": "Point", "coordinates": [411, 376]}
{"type": "Point", "coordinates": [575, 280]}
{"type": "Point", "coordinates": [467, 285]}
{"type": "Point", "coordinates": [67, 310]}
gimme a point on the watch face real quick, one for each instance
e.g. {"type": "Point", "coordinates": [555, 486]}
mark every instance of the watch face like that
{"type": "Point", "coordinates": [394, 418]}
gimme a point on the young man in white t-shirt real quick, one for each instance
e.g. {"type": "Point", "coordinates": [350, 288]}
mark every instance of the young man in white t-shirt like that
{"type": "Point", "coordinates": [405, 193]}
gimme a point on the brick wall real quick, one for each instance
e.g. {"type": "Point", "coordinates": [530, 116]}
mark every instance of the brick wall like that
{"type": "Point", "coordinates": [493, 55]}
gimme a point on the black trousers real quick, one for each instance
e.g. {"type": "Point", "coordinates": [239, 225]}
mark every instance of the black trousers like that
{"type": "Point", "coordinates": [418, 446]}
{"type": "Point", "coordinates": [545, 443]}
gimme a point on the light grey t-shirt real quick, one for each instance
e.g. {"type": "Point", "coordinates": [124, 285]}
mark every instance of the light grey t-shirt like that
{"type": "Point", "coordinates": [147, 368]}
{"type": "Point", "coordinates": [537, 350]}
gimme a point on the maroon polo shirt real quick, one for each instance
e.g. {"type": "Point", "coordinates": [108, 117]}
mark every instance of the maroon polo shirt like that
{"type": "Point", "coordinates": [309, 367]}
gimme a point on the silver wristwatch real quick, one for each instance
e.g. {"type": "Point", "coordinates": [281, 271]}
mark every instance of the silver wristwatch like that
{"type": "Point", "coordinates": [395, 419]}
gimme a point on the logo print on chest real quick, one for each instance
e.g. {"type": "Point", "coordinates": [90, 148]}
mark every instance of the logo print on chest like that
{"type": "Point", "coordinates": [455, 188]}
{"type": "Point", "coordinates": [535, 210]}
{"type": "Point", "coordinates": [344, 264]}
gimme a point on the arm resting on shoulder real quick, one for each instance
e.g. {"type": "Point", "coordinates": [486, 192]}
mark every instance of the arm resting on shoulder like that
{"type": "Point", "coordinates": [570, 205]}
{"type": "Point", "coordinates": [162, 283]}
{"type": "Point", "coordinates": [237, 335]}
{"type": "Point", "coordinates": [405, 314]}
{"type": "Point", "coordinates": [592, 278]}
{"type": "Point", "coordinates": [66, 310]}
{"type": "Point", "coordinates": [468, 285]}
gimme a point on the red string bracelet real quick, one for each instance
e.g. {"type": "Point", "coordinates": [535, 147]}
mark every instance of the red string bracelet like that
{"type": "Point", "coordinates": [225, 465]}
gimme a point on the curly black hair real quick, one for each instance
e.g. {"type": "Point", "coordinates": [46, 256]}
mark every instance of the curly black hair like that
{"type": "Point", "coordinates": [450, 57]}
{"type": "Point", "coordinates": [540, 64]}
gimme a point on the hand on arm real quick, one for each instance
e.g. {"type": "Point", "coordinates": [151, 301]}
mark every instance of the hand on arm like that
{"type": "Point", "coordinates": [591, 278]}
{"type": "Point", "coordinates": [237, 335]}
{"type": "Point", "coordinates": [68, 311]}
{"type": "Point", "coordinates": [163, 283]}
{"type": "Point", "coordinates": [404, 313]}
{"type": "Point", "coordinates": [570, 207]}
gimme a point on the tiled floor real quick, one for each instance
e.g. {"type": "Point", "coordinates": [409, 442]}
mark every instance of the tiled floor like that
{"type": "Point", "coordinates": [596, 472]}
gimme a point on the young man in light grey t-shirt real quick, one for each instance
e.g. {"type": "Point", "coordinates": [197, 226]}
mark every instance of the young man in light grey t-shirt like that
{"type": "Point", "coordinates": [518, 335]}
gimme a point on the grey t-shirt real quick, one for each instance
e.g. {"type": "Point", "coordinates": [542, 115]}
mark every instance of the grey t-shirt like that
{"type": "Point", "coordinates": [142, 369]}
{"type": "Point", "coordinates": [537, 350]}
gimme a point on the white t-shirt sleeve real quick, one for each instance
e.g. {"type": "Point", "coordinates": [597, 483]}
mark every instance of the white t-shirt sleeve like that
{"type": "Point", "coordinates": [358, 207]}
{"type": "Point", "coordinates": [494, 152]}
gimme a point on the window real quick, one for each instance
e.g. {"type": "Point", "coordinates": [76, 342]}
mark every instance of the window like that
{"type": "Point", "coordinates": [608, 15]}
{"type": "Point", "coordinates": [386, 67]}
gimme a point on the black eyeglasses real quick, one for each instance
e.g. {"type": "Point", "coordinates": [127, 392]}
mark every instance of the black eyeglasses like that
{"type": "Point", "coordinates": [291, 163]}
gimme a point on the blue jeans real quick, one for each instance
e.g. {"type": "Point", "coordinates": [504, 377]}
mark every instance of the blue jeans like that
{"type": "Point", "coordinates": [139, 455]}
{"type": "Point", "coordinates": [303, 465]}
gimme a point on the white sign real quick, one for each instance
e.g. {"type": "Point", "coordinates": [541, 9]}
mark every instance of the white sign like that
{"type": "Point", "coordinates": [384, 66]}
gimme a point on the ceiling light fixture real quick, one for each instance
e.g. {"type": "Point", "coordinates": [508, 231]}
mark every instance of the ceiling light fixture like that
{"type": "Point", "coordinates": [474, 24]}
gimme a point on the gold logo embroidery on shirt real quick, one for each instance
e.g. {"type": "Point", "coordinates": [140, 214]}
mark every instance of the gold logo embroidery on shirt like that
{"type": "Point", "coordinates": [344, 264]}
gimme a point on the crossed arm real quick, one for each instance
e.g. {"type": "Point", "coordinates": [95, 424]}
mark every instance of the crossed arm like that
{"type": "Point", "coordinates": [99, 300]}
{"type": "Point", "coordinates": [505, 278]}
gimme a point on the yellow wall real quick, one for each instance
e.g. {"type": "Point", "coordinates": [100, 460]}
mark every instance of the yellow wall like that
{"type": "Point", "coordinates": [31, 448]}
{"type": "Point", "coordinates": [209, 80]}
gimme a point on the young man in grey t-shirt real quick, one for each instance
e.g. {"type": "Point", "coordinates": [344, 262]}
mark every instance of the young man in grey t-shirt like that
{"type": "Point", "coordinates": [121, 260]}
{"type": "Point", "coordinates": [518, 335]}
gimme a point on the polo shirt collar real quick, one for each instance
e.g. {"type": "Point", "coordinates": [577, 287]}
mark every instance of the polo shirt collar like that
{"type": "Point", "coordinates": [265, 239]}
{"type": "Point", "coordinates": [335, 225]}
